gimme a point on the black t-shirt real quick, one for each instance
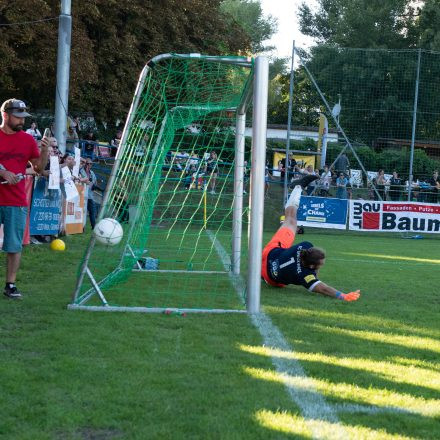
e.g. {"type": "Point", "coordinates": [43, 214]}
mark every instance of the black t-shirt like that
{"type": "Point", "coordinates": [284, 266]}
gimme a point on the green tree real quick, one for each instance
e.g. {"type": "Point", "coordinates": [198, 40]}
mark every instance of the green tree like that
{"type": "Point", "coordinates": [428, 25]}
{"type": "Point", "coordinates": [361, 23]}
{"type": "Point", "coordinates": [248, 14]}
{"type": "Point", "coordinates": [306, 103]}
{"type": "Point", "coordinates": [111, 42]}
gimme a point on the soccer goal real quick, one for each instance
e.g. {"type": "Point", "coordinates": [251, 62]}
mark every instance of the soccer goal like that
{"type": "Point", "coordinates": [179, 189]}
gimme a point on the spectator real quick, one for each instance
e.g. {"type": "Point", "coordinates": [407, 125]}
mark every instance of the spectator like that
{"type": "Point", "coordinates": [395, 187]}
{"type": "Point", "coordinates": [341, 186]}
{"type": "Point", "coordinates": [72, 135]}
{"type": "Point", "coordinates": [342, 165]}
{"type": "Point", "coordinates": [33, 131]}
{"type": "Point", "coordinates": [17, 149]}
{"type": "Point", "coordinates": [434, 181]}
{"type": "Point", "coordinates": [76, 126]}
{"type": "Point", "coordinates": [89, 144]}
{"type": "Point", "coordinates": [267, 180]}
{"type": "Point", "coordinates": [88, 178]}
{"type": "Point", "coordinates": [115, 143]}
{"type": "Point", "coordinates": [380, 182]}
{"type": "Point", "coordinates": [290, 167]}
{"type": "Point", "coordinates": [311, 187]}
{"type": "Point", "coordinates": [326, 180]}
{"type": "Point", "coordinates": [141, 149]}
{"type": "Point", "coordinates": [212, 170]}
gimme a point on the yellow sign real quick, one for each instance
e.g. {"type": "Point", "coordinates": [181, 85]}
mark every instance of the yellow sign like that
{"type": "Point", "coordinates": [301, 159]}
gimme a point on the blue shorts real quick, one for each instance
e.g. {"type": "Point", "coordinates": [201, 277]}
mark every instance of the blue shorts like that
{"type": "Point", "coordinates": [13, 219]}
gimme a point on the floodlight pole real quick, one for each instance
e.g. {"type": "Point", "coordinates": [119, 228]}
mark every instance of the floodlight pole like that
{"type": "Point", "coordinates": [259, 129]}
{"type": "Point", "coordinates": [63, 73]}
{"type": "Point", "coordinates": [289, 125]}
{"type": "Point", "coordinates": [414, 124]}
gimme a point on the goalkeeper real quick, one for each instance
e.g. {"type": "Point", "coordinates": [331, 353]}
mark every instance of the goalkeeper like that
{"type": "Point", "coordinates": [286, 264]}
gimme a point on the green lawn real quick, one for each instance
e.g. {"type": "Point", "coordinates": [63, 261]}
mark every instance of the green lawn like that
{"type": "Point", "coordinates": [80, 375]}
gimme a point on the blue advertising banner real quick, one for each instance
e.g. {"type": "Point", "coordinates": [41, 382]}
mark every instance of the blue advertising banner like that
{"type": "Point", "coordinates": [45, 209]}
{"type": "Point", "coordinates": [322, 212]}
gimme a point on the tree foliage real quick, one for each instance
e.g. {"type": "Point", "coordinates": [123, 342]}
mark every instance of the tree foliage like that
{"type": "Point", "coordinates": [248, 14]}
{"type": "Point", "coordinates": [377, 87]}
{"type": "Point", "coordinates": [361, 23]}
{"type": "Point", "coordinates": [111, 42]}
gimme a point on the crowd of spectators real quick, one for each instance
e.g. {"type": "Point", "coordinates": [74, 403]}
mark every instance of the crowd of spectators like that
{"type": "Point", "coordinates": [339, 182]}
{"type": "Point", "coordinates": [197, 172]}
{"type": "Point", "coordinates": [85, 177]}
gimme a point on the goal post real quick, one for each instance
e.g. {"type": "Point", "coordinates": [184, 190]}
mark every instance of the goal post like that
{"type": "Point", "coordinates": [177, 188]}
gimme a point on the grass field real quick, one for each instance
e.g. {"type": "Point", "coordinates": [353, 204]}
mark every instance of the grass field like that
{"type": "Point", "coordinates": [79, 375]}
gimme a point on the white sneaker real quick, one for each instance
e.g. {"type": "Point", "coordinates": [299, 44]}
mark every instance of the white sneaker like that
{"type": "Point", "coordinates": [295, 197]}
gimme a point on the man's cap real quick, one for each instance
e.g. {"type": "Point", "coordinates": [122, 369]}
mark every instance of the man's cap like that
{"type": "Point", "coordinates": [15, 107]}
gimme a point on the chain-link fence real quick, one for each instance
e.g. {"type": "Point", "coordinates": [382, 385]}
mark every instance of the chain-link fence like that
{"type": "Point", "coordinates": [385, 105]}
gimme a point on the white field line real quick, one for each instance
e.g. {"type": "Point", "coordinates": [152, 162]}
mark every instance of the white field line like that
{"type": "Point", "coordinates": [370, 409]}
{"type": "Point", "coordinates": [312, 404]}
{"type": "Point", "coordinates": [400, 264]}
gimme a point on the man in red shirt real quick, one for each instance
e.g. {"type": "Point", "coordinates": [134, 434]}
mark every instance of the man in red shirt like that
{"type": "Point", "coordinates": [17, 148]}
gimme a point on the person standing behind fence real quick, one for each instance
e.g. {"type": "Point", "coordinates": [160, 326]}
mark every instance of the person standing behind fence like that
{"type": "Point", "coordinates": [33, 131]}
{"type": "Point", "coordinates": [395, 187]}
{"type": "Point", "coordinates": [434, 182]}
{"type": "Point", "coordinates": [115, 143]}
{"type": "Point", "coordinates": [212, 170]}
{"type": "Point", "coordinates": [16, 149]}
{"type": "Point", "coordinates": [89, 145]}
{"type": "Point", "coordinates": [341, 186]}
{"type": "Point", "coordinates": [342, 165]}
{"type": "Point", "coordinates": [380, 183]}
{"type": "Point", "coordinates": [88, 178]}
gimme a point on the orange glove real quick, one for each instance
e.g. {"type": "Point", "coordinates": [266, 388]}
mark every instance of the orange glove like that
{"type": "Point", "coordinates": [352, 296]}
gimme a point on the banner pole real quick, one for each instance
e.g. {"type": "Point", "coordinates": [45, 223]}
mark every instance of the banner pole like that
{"type": "Point", "coordinates": [414, 124]}
{"type": "Point", "coordinates": [289, 126]}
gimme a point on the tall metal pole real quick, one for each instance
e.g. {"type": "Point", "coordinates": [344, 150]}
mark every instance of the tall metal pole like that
{"type": "Point", "coordinates": [289, 124]}
{"type": "Point", "coordinates": [238, 191]}
{"type": "Point", "coordinates": [259, 128]}
{"type": "Point", "coordinates": [414, 124]}
{"type": "Point", "coordinates": [63, 71]}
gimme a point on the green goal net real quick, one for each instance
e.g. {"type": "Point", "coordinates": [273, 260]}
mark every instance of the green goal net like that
{"type": "Point", "coordinates": [173, 189]}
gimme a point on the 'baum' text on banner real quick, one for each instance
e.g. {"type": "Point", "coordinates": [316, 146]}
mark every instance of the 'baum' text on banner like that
{"type": "Point", "coordinates": [394, 216]}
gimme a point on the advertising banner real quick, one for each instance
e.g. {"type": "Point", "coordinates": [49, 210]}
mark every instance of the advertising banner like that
{"type": "Point", "coordinates": [394, 216]}
{"type": "Point", "coordinates": [302, 159]}
{"type": "Point", "coordinates": [322, 212]}
{"type": "Point", "coordinates": [45, 210]}
{"type": "Point", "coordinates": [74, 212]}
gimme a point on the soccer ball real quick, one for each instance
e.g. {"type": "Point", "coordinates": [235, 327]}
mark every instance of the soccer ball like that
{"type": "Point", "coordinates": [108, 231]}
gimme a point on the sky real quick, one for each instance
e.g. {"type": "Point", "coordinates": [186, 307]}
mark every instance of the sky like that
{"type": "Point", "coordinates": [288, 29]}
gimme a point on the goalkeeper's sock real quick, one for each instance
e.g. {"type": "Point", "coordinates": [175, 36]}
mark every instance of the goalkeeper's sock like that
{"type": "Point", "coordinates": [294, 197]}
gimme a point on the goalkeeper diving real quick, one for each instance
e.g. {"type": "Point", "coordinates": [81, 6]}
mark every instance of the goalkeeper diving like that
{"type": "Point", "coordinates": [284, 264]}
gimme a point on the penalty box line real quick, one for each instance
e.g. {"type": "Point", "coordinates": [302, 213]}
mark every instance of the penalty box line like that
{"type": "Point", "coordinates": [313, 405]}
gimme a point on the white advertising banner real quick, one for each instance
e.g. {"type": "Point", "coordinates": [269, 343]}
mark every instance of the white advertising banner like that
{"type": "Point", "coordinates": [69, 184]}
{"type": "Point", "coordinates": [54, 176]}
{"type": "Point", "coordinates": [394, 216]}
{"type": "Point", "coordinates": [75, 171]}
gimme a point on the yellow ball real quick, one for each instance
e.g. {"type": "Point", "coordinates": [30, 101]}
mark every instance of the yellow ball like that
{"type": "Point", "coordinates": [282, 218]}
{"type": "Point", "coordinates": [58, 245]}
